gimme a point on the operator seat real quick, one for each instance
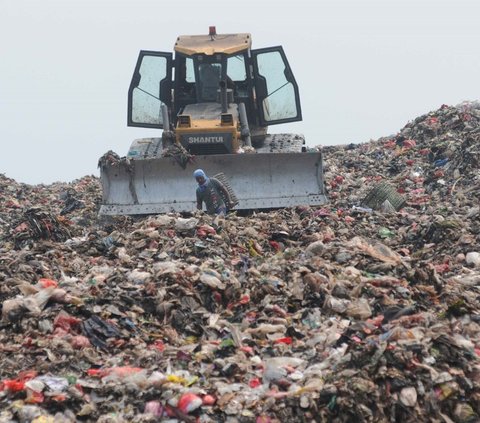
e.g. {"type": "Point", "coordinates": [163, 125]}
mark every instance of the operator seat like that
{"type": "Point", "coordinates": [209, 81]}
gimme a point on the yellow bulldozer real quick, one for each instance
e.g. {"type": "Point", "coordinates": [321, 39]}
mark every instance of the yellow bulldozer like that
{"type": "Point", "coordinates": [214, 100]}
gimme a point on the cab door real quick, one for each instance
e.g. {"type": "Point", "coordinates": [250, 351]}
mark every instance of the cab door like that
{"type": "Point", "coordinates": [150, 88]}
{"type": "Point", "coordinates": [277, 95]}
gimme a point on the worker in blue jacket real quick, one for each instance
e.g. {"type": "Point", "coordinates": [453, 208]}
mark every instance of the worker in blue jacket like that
{"type": "Point", "coordinates": [213, 193]}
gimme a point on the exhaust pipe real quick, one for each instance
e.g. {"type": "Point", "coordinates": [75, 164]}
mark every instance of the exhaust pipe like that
{"type": "Point", "coordinates": [223, 96]}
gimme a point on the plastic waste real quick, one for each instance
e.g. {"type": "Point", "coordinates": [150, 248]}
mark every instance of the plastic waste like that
{"type": "Point", "coordinates": [189, 402]}
{"type": "Point", "coordinates": [473, 258]}
{"type": "Point", "coordinates": [119, 317]}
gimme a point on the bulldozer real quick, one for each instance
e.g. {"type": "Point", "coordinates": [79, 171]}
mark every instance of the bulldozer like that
{"type": "Point", "coordinates": [214, 99]}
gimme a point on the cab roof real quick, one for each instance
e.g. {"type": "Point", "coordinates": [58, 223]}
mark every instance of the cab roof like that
{"type": "Point", "coordinates": [211, 44]}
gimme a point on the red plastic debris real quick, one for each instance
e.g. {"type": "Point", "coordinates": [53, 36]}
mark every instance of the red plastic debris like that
{"type": "Point", "coordinates": [376, 321]}
{"type": "Point", "coordinates": [158, 345]}
{"type": "Point", "coordinates": [254, 383]}
{"type": "Point", "coordinates": [59, 397]}
{"type": "Point", "coordinates": [442, 268]}
{"type": "Point", "coordinates": [79, 341]}
{"type": "Point", "coordinates": [18, 384]}
{"type": "Point", "coordinates": [205, 230]}
{"type": "Point", "coordinates": [34, 397]}
{"type": "Point", "coordinates": [154, 407]}
{"type": "Point", "coordinates": [13, 385]}
{"type": "Point", "coordinates": [121, 372]}
{"type": "Point", "coordinates": [287, 340]}
{"type": "Point", "coordinates": [189, 402]}
{"type": "Point", "coordinates": [47, 283]}
{"type": "Point", "coordinates": [409, 144]}
{"type": "Point", "coordinates": [279, 310]}
{"type": "Point", "coordinates": [209, 400]}
{"type": "Point", "coordinates": [247, 350]}
{"type": "Point", "coordinates": [22, 227]}
{"type": "Point", "coordinates": [275, 245]}
{"type": "Point", "coordinates": [65, 321]}
{"type": "Point", "coordinates": [245, 299]}
{"type": "Point", "coordinates": [217, 297]}
{"type": "Point", "coordinates": [391, 144]}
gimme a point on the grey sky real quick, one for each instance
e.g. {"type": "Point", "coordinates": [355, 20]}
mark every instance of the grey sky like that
{"type": "Point", "coordinates": [364, 68]}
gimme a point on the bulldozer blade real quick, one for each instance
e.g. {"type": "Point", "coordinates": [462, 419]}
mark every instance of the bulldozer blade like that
{"type": "Point", "coordinates": [259, 181]}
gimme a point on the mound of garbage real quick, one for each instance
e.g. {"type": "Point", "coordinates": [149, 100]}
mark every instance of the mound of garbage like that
{"type": "Point", "coordinates": [364, 310]}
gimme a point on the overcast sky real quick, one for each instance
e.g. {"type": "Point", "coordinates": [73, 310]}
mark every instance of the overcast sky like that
{"type": "Point", "coordinates": [364, 68]}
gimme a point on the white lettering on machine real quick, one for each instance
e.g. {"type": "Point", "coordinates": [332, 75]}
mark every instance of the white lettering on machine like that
{"type": "Point", "coordinates": [205, 140]}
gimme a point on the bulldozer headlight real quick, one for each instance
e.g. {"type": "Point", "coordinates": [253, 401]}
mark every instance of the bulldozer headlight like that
{"type": "Point", "coordinates": [184, 121]}
{"type": "Point", "coordinates": [226, 119]}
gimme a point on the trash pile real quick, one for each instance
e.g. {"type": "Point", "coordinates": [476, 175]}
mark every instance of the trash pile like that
{"type": "Point", "coordinates": [341, 313]}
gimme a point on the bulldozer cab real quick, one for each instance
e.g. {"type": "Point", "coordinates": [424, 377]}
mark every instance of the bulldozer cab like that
{"type": "Point", "coordinates": [261, 79]}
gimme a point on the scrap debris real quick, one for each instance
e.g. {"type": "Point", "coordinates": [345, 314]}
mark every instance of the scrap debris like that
{"type": "Point", "coordinates": [180, 154]}
{"type": "Point", "coordinates": [340, 313]}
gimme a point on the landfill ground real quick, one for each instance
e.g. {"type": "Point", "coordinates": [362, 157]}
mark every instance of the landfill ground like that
{"type": "Point", "coordinates": [349, 312]}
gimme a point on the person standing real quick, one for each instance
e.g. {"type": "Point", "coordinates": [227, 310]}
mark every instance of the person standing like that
{"type": "Point", "coordinates": [213, 193]}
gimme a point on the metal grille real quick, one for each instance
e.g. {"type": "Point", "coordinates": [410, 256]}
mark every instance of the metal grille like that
{"type": "Point", "coordinates": [199, 149]}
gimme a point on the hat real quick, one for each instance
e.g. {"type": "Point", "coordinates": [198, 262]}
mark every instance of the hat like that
{"type": "Point", "coordinates": [198, 173]}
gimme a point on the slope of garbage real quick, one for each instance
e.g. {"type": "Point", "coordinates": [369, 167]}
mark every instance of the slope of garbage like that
{"type": "Point", "coordinates": [341, 313]}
